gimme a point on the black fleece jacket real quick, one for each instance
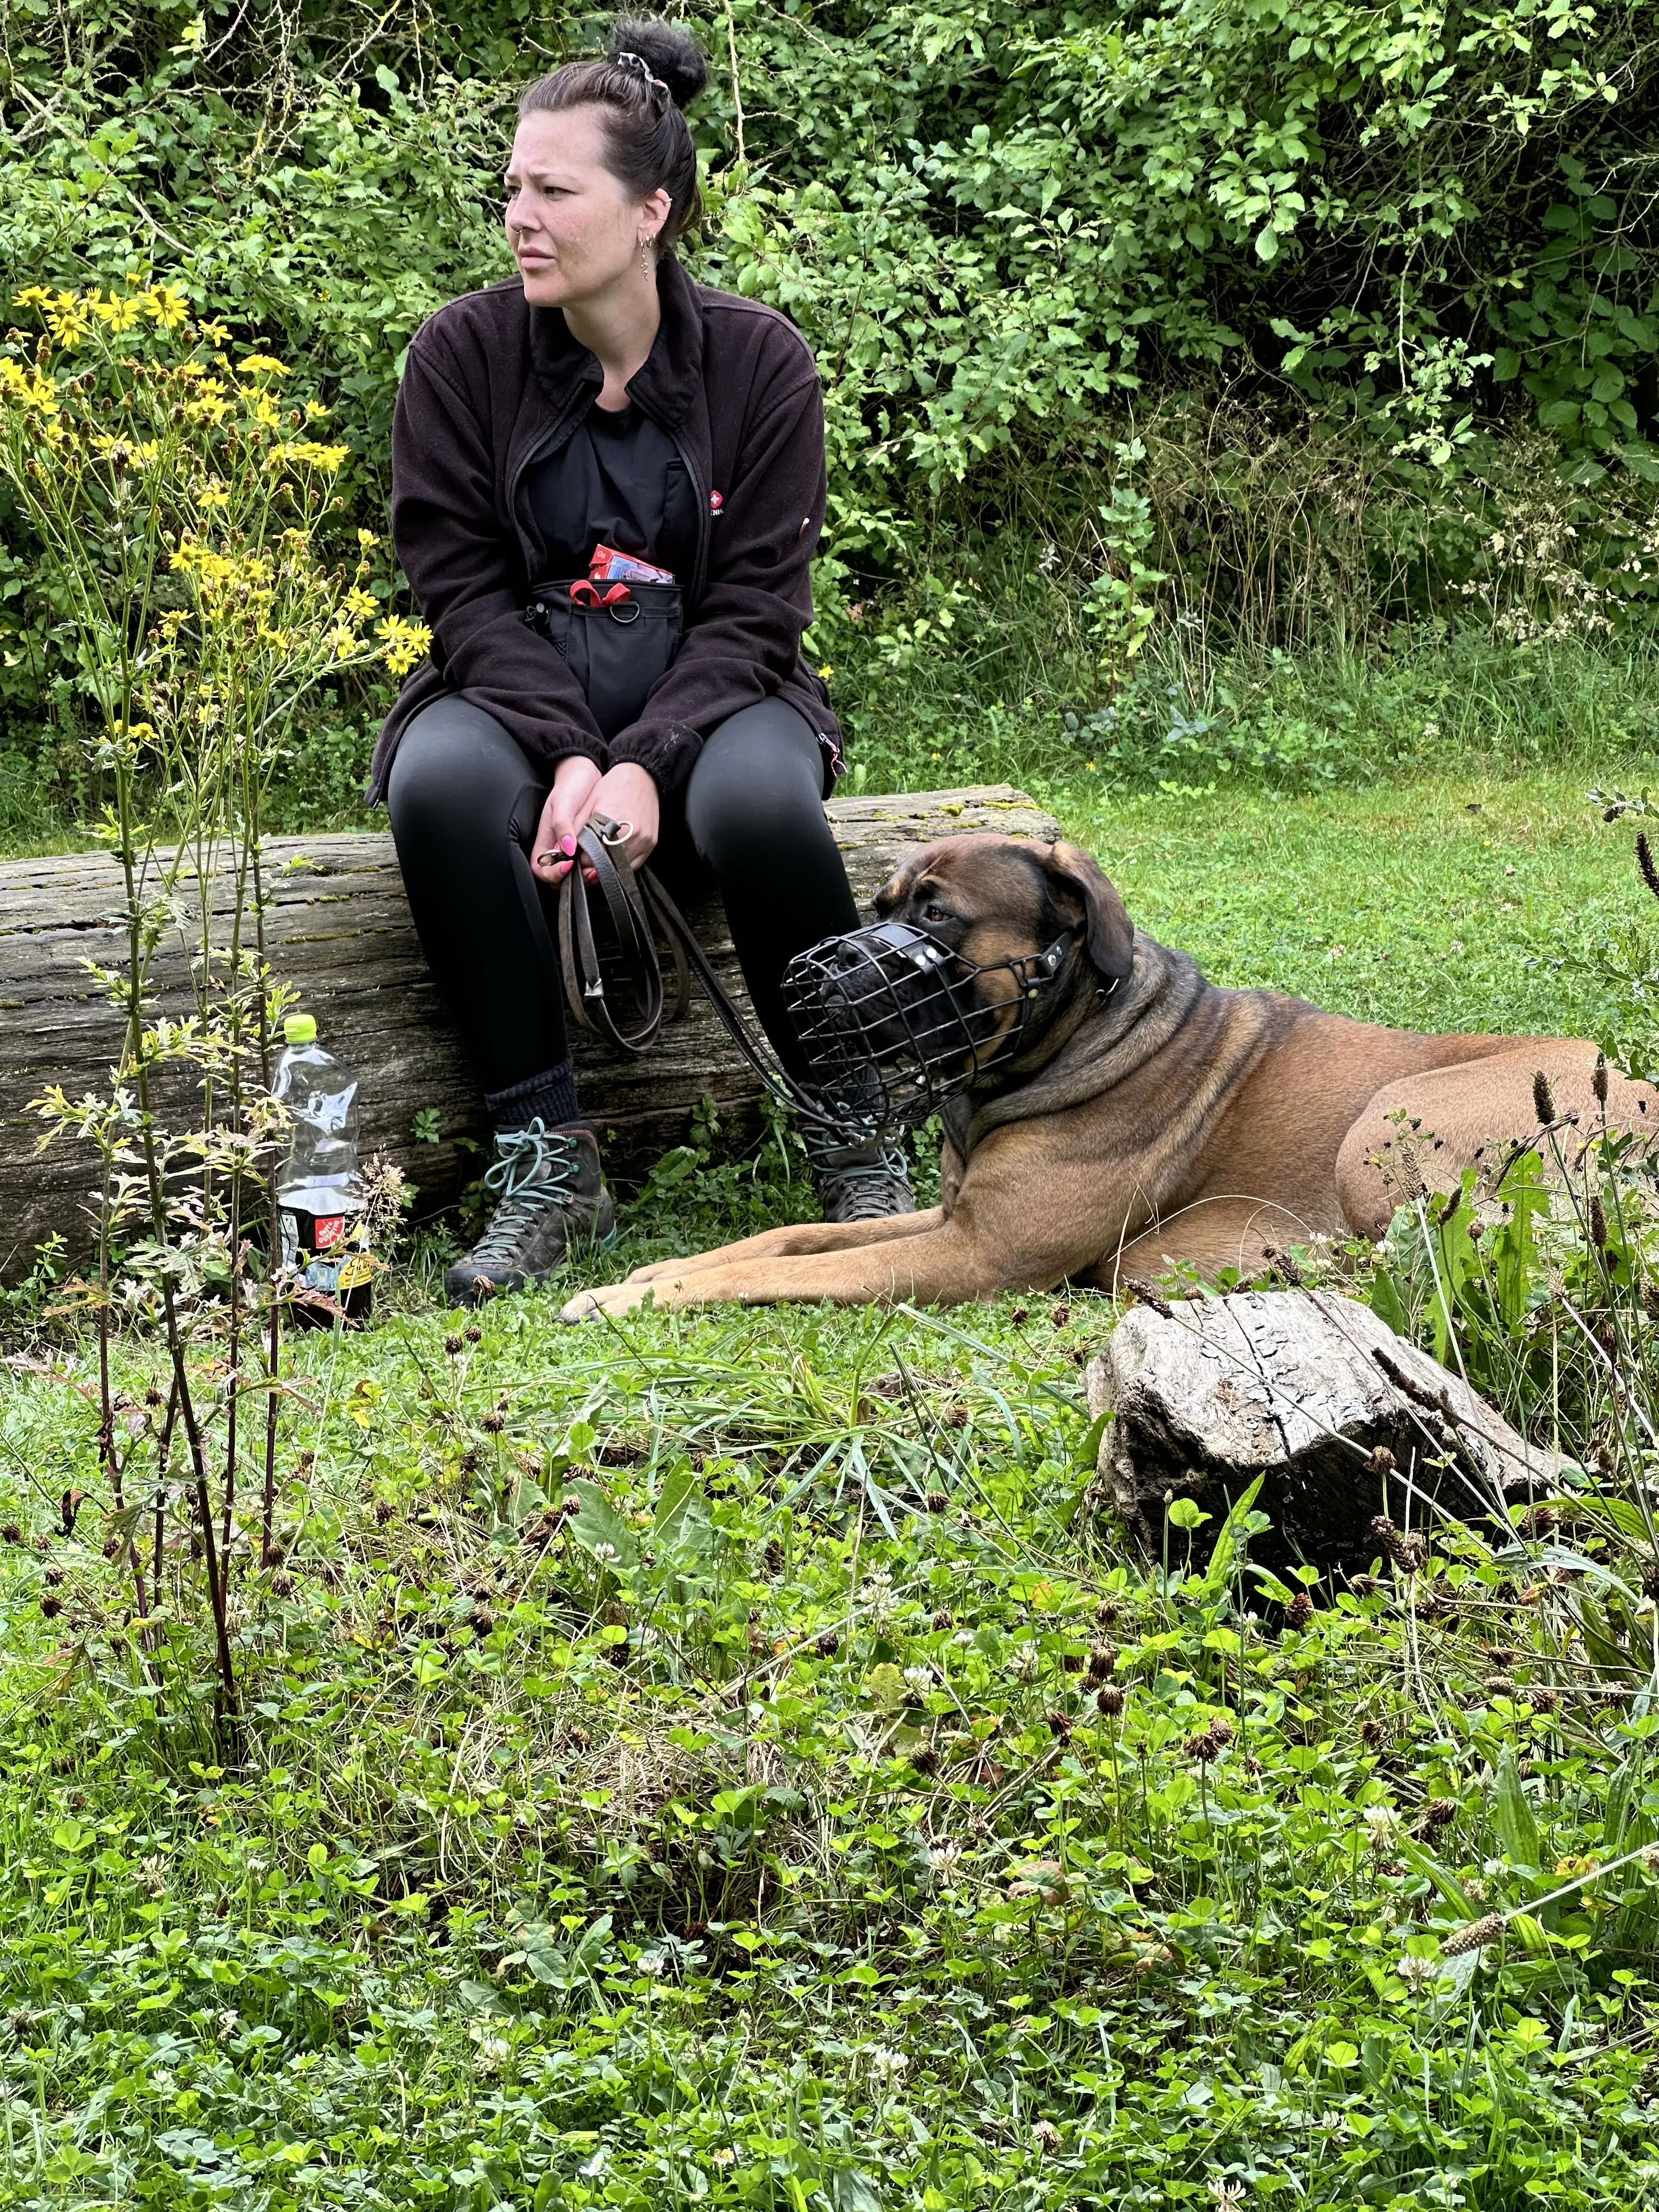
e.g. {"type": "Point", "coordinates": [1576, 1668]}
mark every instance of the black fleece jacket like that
{"type": "Point", "coordinates": [492, 383]}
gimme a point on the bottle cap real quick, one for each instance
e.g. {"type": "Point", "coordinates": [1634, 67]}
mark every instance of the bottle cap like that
{"type": "Point", "coordinates": [300, 1029]}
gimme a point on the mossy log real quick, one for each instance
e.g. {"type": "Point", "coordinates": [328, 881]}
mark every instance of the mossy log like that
{"type": "Point", "coordinates": [337, 928]}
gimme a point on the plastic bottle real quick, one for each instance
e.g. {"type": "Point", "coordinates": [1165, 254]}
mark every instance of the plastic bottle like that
{"type": "Point", "coordinates": [318, 1195]}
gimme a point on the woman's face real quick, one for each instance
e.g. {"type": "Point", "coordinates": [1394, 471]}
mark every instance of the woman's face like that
{"type": "Point", "coordinates": [573, 228]}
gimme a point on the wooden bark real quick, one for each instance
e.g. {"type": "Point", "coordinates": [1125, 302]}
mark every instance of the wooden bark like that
{"type": "Point", "coordinates": [1300, 1387]}
{"type": "Point", "coordinates": [339, 929]}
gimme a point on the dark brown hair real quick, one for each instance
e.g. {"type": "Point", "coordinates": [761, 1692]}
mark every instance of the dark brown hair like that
{"type": "Point", "coordinates": [649, 72]}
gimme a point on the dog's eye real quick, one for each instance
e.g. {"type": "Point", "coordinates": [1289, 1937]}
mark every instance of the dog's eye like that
{"type": "Point", "coordinates": [934, 911]}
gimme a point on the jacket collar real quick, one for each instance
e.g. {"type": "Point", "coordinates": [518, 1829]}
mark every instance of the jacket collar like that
{"type": "Point", "coordinates": [672, 374]}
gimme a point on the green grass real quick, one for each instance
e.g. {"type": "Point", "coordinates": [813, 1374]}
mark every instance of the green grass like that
{"type": "Point", "coordinates": [672, 1878]}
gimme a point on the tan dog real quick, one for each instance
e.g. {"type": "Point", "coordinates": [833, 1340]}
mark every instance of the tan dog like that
{"type": "Point", "coordinates": [1145, 1115]}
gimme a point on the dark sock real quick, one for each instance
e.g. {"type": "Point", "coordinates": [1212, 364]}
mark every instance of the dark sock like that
{"type": "Point", "coordinates": [549, 1098]}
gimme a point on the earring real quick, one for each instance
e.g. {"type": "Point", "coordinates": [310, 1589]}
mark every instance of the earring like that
{"type": "Point", "coordinates": [645, 262]}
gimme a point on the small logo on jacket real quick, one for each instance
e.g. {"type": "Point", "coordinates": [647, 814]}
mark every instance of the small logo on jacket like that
{"type": "Point", "coordinates": [716, 502]}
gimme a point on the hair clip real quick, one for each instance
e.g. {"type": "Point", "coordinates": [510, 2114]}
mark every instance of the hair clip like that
{"type": "Point", "coordinates": [637, 62]}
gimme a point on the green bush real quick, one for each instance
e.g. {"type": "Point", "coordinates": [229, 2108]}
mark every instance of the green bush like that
{"type": "Point", "coordinates": [1268, 322]}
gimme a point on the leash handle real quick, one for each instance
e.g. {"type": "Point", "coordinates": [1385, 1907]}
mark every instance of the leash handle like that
{"type": "Point", "coordinates": [598, 848]}
{"type": "Point", "coordinates": [633, 901]}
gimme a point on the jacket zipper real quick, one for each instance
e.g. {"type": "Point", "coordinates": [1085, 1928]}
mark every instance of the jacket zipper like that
{"type": "Point", "coordinates": [557, 433]}
{"type": "Point", "coordinates": [561, 430]}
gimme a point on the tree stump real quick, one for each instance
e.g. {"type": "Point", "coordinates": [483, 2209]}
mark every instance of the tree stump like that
{"type": "Point", "coordinates": [339, 929]}
{"type": "Point", "coordinates": [1303, 1387]}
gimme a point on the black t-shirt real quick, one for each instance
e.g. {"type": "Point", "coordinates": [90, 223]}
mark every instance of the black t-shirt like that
{"type": "Point", "coordinates": [617, 480]}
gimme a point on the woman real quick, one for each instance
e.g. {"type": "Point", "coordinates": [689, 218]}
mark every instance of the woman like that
{"type": "Point", "coordinates": [598, 417]}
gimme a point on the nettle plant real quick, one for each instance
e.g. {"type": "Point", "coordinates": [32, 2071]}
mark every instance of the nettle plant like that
{"type": "Point", "coordinates": [176, 497]}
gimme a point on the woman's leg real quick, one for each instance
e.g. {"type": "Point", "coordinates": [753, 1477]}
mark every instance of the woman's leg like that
{"type": "Point", "coordinates": [464, 802]}
{"type": "Point", "coordinates": [754, 810]}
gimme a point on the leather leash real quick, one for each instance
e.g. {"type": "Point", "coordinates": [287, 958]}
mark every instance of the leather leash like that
{"type": "Point", "coordinates": [632, 903]}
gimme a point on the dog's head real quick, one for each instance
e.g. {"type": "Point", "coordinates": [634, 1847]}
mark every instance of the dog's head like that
{"type": "Point", "coordinates": [999, 901]}
{"type": "Point", "coordinates": [977, 937]}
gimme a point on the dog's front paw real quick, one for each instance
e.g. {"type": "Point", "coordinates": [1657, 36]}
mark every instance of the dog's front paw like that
{"type": "Point", "coordinates": [608, 1300]}
{"type": "Point", "coordinates": [653, 1268]}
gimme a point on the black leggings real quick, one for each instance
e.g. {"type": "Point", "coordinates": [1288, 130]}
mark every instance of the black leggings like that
{"type": "Point", "coordinates": [465, 803]}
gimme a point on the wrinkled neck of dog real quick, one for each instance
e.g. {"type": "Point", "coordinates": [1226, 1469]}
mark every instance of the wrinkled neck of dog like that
{"type": "Point", "coordinates": [1058, 1014]}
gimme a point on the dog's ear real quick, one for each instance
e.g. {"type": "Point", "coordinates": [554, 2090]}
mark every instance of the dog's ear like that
{"type": "Point", "coordinates": [897, 889]}
{"type": "Point", "coordinates": [1082, 891]}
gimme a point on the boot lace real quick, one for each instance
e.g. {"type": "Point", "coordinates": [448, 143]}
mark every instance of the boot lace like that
{"type": "Point", "coordinates": [537, 1168]}
{"type": "Point", "coordinates": [868, 1191]}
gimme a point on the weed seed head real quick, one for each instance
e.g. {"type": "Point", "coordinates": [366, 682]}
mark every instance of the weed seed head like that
{"type": "Point", "coordinates": [1543, 1100]}
{"type": "Point", "coordinates": [1111, 1700]}
{"type": "Point", "coordinates": [1474, 1937]}
{"type": "Point", "coordinates": [1300, 1610]}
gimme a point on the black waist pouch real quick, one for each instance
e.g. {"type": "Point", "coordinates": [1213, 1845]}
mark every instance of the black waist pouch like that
{"type": "Point", "coordinates": [617, 638]}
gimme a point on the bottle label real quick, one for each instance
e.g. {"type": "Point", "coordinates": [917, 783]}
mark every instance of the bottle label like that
{"type": "Point", "coordinates": [303, 1239]}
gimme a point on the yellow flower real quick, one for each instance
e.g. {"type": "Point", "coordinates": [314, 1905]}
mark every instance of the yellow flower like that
{"type": "Point", "coordinates": [27, 385]}
{"type": "Point", "coordinates": [305, 453]}
{"type": "Point", "coordinates": [67, 319]}
{"type": "Point", "coordinates": [405, 643]}
{"type": "Point", "coordinates": [167, 304]}
{"type": "Point", "coordinates": [359, 604]}
{"type": "Point", "coordinates": [36, 296]}
{"type": "Point", "coordinates": [120, 312]}
{"type": "Point", "coordinates": [366, 539]}
{"type": "Point", "coordinates": [260, 364]}
{"type": "Point", "coordinates": [827, 673]}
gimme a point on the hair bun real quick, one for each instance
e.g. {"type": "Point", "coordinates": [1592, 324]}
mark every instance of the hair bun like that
{"type": "Point", "coordinates": [670, 53]}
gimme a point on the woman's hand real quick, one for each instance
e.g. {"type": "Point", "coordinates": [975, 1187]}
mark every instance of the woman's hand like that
{"type": "Point", "coordinates": [564, 811]}
{"type": "Point", "coordinates": [625, 794]}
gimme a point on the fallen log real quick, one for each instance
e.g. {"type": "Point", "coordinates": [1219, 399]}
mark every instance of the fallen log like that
{"type": "Point", "coordinates": [1344, 1422]}
{"type": "Point", "coordinates": [337, 928]}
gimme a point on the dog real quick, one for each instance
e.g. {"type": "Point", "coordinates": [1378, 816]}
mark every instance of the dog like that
{"type": "Point", "coordinates": [1142, 1116]}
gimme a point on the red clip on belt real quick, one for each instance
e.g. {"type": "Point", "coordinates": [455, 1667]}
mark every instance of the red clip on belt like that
{"type": "Point", "coordinates": [589, 595]}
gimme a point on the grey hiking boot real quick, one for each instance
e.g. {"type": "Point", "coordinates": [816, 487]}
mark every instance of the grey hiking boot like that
{"type": "Point", "coordinates": [550, 1200]}
{"type": "Point", "coordinates": [857, 1183]}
